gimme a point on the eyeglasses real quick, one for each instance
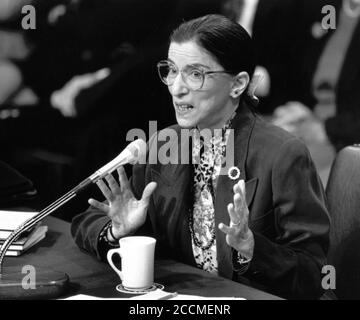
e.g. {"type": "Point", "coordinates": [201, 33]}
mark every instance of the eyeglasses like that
{"type": "Point", "coordinates": [192, 76]}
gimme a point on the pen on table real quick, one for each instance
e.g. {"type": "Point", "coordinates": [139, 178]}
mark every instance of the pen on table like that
{"type": "Point", "coordinates": [169, 296]}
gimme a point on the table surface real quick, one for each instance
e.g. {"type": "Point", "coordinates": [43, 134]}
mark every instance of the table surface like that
{"type": "Point", "coordinates": [58, 252]}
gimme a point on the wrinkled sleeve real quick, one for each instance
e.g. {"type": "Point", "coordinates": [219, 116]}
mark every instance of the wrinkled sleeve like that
{"type": "Point", "coordinates": [86, 228]}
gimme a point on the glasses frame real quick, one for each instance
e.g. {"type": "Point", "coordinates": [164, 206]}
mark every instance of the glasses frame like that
{"type": "Point", "coordinates": [204, 73]}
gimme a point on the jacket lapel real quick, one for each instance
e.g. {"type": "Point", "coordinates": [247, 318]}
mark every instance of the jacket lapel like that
{"type": "Point", "coordinates": [243, 124]}
{"type": "Point", "coordinates": [178, 181]}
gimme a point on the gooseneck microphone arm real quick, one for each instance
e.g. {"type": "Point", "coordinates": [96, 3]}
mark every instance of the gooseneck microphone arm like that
{"type": "Point", "coordinates": [28, 224]}
{"type": "Point", "coordinates": [134, 152]}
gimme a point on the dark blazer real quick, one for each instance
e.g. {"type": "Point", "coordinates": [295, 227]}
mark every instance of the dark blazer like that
{"type": "Point", "coordinates": [288, 215]}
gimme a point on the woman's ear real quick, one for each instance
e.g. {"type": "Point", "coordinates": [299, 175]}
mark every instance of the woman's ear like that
{"type": "Point", "coordinates": [240, 84]}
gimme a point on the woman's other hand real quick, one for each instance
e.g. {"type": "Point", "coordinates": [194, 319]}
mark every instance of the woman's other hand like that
{"type": "Point", "coordinates": [126, 212]}
{"type": "Point", "coordinates": [238, 234]}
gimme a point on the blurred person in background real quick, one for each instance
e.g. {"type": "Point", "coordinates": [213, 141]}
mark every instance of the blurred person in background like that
{"type": "Point", "coordinates": [12, 46]}
{"type": "Point", "coordinates": [330, 74]}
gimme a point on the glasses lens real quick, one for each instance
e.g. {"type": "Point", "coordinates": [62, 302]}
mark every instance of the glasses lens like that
{"type": "Point", "coordinates": [167, 72]}
{"type": "Point", "coordinates": [194, 78]}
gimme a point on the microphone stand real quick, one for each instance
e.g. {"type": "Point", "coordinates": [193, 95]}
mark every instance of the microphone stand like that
{"type": "Point", "coordinates": [11, 285]}
{"type": "Point", "coordinates": [52, 284]}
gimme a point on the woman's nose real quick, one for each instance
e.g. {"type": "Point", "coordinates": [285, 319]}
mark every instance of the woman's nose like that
{"type": "Point", "coordinates": [179, 87]}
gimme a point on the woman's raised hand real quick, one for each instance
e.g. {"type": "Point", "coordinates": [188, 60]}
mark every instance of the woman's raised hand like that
{"type": "Point", "coordinates": [238, 234]}
{"type": "Point", "coordinates": [126, 212]}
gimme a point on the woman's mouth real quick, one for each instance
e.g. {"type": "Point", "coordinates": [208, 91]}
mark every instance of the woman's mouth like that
{"type": "Point", "coordinates": [183, 108]}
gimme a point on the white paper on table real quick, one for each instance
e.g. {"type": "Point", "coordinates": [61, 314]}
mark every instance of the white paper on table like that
{"type": "Point", "coordinates": [157, 294]}
{"type": "Point", "coordinates": [163, 295]}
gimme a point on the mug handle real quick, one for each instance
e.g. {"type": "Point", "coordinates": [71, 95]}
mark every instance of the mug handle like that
{"type": "Point", "coordinates": [109, 255]}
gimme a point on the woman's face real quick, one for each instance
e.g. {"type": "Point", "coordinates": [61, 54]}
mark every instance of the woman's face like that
{"type": "Point", "coordinates": [211, 106]}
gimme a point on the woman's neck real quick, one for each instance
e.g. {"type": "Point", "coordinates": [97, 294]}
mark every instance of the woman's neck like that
{"type": "Point", "coordinates": [221, 124]}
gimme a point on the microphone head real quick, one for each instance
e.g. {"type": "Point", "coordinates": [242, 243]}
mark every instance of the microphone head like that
{"type": "Point", "coordinates": [135, 152]}
{"type": "Point", "coordinates": [137, 149]}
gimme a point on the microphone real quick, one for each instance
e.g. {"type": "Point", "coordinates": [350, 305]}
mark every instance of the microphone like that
{"type": "Point", "coordinates": [133, 153]}
{"type": "Point", "coordinates": [54, 284]}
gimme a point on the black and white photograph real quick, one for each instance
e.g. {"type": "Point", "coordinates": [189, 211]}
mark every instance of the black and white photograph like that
{"type": "Point", "coordinates": [203, 150]}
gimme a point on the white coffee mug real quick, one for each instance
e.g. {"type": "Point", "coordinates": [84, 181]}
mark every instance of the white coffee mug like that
{"type": "Point", "coordinates": [137, 262]}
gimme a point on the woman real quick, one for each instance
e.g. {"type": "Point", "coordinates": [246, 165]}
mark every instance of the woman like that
{"type": "Point", "coordinates": [272, 229]}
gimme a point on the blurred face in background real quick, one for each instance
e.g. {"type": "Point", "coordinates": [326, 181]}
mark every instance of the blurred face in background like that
{"type": "Point", "coordinates": [211, 105]}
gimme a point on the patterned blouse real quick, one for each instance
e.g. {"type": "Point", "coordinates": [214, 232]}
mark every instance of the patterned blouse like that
{"type": "Point", "coordinates": [209, 156]}
{"type": "Point", "coordinates": [207, 160]}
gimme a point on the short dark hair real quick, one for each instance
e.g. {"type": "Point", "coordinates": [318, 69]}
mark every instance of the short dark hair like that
{"type": "Point", "coordinates": [227, 41]}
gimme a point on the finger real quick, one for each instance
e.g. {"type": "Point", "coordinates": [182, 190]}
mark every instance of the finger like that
{"type": "Point", "coordinates": [104, 189]}
{"type": "Point", "coordinates": [241, 211]}
{"type": "Point", "coordinates": [242, 188]}
{"type": "Point", "coordinates": [123, 180]}
{"type": "Point", "coordinates": [235, 188]}
{"type": "Point", "coordinates": [241, 185]}
{"type": "Point", "coordinates": [114, 187]}
{"type": "Point", "coordinates": [99, 205]}
{"type": "Point", "coordinates": [149, 189]}
{"type": "Point", "coordinates": [226, 229]}
{"type": "Point", "coordinates": [238, 204]}
{"type": "Point", "coordinates": [234, 217]}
